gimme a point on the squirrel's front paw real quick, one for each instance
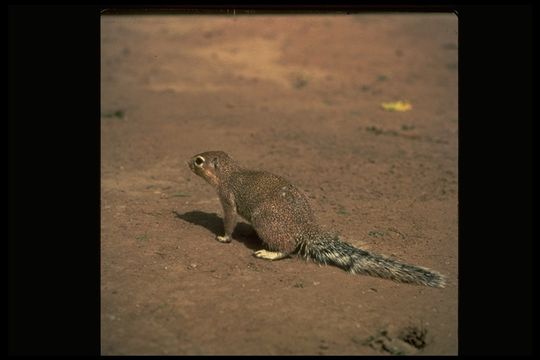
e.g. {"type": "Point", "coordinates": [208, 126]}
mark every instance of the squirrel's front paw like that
{"type": "Point", "coordinates": [223, 239]}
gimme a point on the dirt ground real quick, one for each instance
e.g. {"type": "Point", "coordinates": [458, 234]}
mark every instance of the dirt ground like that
{"type": "Point", "coordinates": [299, 96]}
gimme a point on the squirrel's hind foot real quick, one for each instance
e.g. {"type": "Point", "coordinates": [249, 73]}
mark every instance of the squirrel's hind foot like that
{"type": "Point", "coordinates": [269, 255]}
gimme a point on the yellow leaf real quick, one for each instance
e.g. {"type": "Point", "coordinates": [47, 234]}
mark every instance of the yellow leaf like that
{"type": "Point", "coordinates": [397, 106]}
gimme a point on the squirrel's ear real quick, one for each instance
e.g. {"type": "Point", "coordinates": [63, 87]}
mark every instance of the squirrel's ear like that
{"type": "Point", "coordinates": [215, 162]}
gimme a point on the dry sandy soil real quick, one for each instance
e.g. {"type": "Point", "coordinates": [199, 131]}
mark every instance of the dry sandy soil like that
{"type": "Point", "coordinates": [298, 96]}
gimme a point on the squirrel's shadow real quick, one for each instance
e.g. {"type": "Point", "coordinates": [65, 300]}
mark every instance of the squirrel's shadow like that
{"type": "Point", "coordinates": [243, 233]}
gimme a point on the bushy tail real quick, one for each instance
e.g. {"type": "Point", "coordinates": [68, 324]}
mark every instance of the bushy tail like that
{"type": "Point", "coordinates": [328, 249]}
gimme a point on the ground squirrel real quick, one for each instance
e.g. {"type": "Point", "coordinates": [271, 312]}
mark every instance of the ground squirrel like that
{"type": "Point", "coordinates": [284, 221]}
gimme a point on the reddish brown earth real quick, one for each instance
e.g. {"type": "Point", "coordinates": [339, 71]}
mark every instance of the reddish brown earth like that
{"type": "Point", "coordinates": [298, 96]}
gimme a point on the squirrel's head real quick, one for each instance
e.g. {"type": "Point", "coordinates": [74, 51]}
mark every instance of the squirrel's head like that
{"type": "Point", "coordinates": [212, 166]}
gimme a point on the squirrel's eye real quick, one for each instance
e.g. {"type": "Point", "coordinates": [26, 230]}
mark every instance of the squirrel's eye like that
{"type": "Point", "coordinates": [199, 160]}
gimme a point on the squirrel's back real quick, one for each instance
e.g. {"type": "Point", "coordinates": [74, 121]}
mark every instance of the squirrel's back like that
{"type": "Point", "coordinates": [254, 190]}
